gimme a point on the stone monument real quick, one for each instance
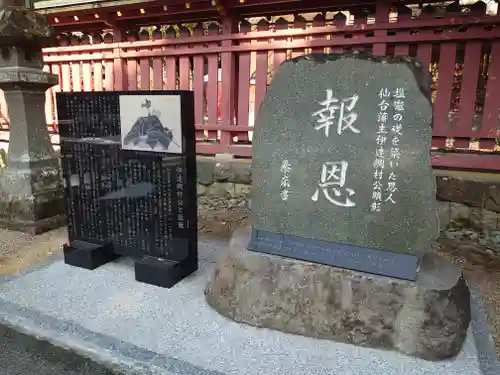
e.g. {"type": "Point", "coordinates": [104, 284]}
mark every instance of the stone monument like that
{"type": "Point", "coordinates": [129, 166]}
{"type": "Point", "coordinates": [31, 195]}
{"type": "Point", "coordinates": [343, 212]}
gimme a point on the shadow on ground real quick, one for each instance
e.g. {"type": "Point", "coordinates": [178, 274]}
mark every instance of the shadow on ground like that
{"type": "Point", "coordinates": [25, 355]}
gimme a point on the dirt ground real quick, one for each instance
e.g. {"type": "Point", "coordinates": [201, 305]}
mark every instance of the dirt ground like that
{"type": "Point", "coordinates": [220, 223]}
{"type": "Point", "coordinates": [481, 269]}
{"type": "Point", "coordinates": [19, 251]}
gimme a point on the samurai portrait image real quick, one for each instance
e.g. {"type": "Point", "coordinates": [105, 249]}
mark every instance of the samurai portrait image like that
{"type": "Point", "coordinates": [147, 131]}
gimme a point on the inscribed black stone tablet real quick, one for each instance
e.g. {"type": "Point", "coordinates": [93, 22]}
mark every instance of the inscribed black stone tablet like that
{"type": "Point", "coordinates": [129, 165]}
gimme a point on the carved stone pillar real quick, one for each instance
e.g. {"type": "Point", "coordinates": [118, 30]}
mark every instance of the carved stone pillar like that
{"type": "Point", "coordinates": [31, 191]}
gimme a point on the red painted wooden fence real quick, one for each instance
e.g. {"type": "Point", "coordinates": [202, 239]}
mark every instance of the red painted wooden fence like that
{"type": "Point", "coordinates": [229, 71]}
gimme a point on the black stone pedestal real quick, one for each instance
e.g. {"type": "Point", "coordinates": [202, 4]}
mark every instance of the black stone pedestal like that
{"type": "Point", "coordinates": [162, 272]}
{"type": "Point", "coordinates": [88, 255]}
{"type": "Point", "coordinates": [150, 270]}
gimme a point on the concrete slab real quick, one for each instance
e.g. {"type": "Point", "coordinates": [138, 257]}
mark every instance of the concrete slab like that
{"type": "Point", "coordinates": [25, 355]}
{"type": "Point", "coordinates": [106, 315]}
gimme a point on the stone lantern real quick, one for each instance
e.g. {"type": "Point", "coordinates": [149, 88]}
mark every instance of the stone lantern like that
{"type": "Point", "coordinates": [31, 191]}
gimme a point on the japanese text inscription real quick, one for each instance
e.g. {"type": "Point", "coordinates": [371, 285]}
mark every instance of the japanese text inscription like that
{"type": "Point", "coordinates": [338, 112]}
{"type": "Point", "coordinates": [285, 179]}
{"type": "Point", "coordinates": [389, 131]}
{"type": "Point", "coordinates": [333, 178]}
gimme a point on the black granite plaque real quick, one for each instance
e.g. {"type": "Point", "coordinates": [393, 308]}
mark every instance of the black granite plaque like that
{"type": "Point", "coordinates": [341, 164]}
{"type": "Point", "coordinates": [129, 165]}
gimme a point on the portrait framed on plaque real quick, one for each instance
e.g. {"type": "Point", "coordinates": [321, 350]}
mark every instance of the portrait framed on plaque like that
{"type": "Point", "coordinates": [151, 123]}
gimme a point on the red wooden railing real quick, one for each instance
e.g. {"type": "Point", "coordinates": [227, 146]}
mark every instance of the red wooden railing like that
{"type": "Point", "coordinates": [229, 71]}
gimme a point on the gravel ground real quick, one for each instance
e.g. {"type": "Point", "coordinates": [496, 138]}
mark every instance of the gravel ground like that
{"type": "Point", "coordinates": [19, 251]}
{"type": "Point", "coordinates": [25, 355]}
{"type": "Point", "coordinates": [218, 219]}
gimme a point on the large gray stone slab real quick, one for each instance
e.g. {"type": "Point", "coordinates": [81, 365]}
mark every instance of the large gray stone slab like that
{"type": "Point", "coordinates": [342, 154]}
{"type": "Point", "coordinates": [110, 317]}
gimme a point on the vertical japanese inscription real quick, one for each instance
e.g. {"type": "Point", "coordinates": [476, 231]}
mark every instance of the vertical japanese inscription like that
{"type": "Point", "coordinates": [285, 179]}
{"type": "Point", "coordinates": [338, 112]}
{"type": "Point", "coordinates": [380, 140]}
{"type": "Point", "coordinates": [379, 193]}
{"type": "Point", "coordinates": [170, 191]}
{"type": "Point", "coordinates": [396, 133]}
{"type": "Point", "coordinates": [164, 242]}
{"type": "Point", "coordinates": [333, 176]}
{"type": "Point", "coordinates": [180, 197]}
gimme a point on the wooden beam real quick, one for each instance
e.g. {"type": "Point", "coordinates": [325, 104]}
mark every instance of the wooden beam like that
{"type": "Point", "coordinates": [278, 7]}
{"type": "Point", "coordinates": [82, 7]}
{"type": "Point", "coordinates": [61, 7]}
{"type": "Point", "coordinates": [153, 11]}
{"type": "Point", "coordinates": [68, 28]}
{"type": "Point", "coordinates": [168, 19]}
{"type": "Point", "coordinates": [140, 16]}
{"type": "Point", "coordinates": [465, 161]}
{"type": "Point", "coordinates": [197, 7]}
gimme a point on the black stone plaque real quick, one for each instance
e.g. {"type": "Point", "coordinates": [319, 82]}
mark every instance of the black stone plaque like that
{"type": "Point", "coordinates": [341, 164]}
{"type": "Point", "coordinates": [401, 266]}
{"type": "Point", "coordinates": [129, 166]}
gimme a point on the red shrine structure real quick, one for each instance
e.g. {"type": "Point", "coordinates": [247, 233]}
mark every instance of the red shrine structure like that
{"type": "Point", "coordinates": [227, 50]}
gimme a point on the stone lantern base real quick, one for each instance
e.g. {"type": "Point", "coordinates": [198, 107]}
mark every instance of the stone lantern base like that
{"type": "Point", "coordinates": [32, 199]}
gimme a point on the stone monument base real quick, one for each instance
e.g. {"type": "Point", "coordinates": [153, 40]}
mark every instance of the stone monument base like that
{"type": "Point", "coordinates": [428, 318]}
{"type": "Point", "coordinates": [31, 201]}
{"type": "Point", "coordinates": [148, 269]}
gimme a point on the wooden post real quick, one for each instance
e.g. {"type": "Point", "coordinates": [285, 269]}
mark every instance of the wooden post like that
{"type": "Point", "coordinates": [228, 80]}
{"type": "Point", "coordinates": [382, 10]}
{"type": "Point", "coordinates": [119, 64]}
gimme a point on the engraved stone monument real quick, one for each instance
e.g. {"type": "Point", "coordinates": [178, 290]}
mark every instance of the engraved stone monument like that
{"type": "Point", "coordinates": [343, 211]}
{"type": "Point", "coordinates": [31, 193]}
{"type": "Point", "coordinates": [350, 169]}
{"type": "Point", "coordinates": [129, 167]}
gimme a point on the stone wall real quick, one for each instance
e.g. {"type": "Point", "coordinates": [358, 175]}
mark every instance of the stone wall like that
{"type": "Point", "coordinates": [224, 178]}
{"type": "Point", "coordinates": [468, 204]}
{"type": "Point", "coordinates": [469, 208]}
